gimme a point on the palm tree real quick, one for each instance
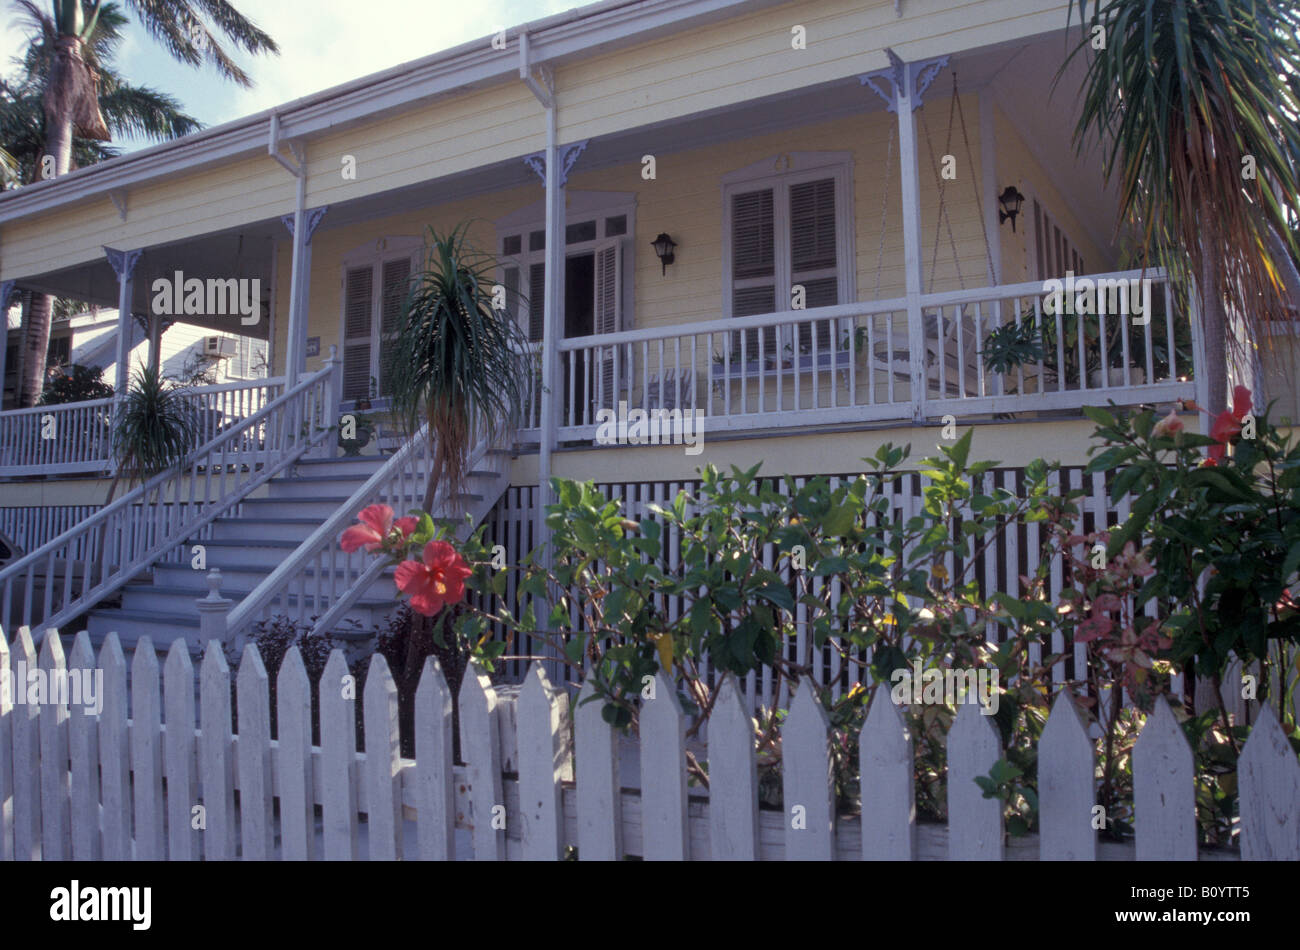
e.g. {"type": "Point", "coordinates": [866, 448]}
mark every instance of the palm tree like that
{"type": "Point", "coordinates": [77, 101]}
{"type": "Point", "coordinates": [1189, 98]}
{"type": "Point", "coordinates": [455, 360]}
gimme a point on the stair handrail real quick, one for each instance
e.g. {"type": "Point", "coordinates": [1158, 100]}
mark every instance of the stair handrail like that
{"type": "Point", "coordinates": [288, 426]}
{"type": "Point", "coordinates": [399, 483]}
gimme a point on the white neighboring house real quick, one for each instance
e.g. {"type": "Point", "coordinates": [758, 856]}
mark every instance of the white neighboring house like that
{"type": "Point", "coordinates": [90, 339]}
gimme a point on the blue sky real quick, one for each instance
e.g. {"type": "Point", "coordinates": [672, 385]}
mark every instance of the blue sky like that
{"type": "Point", "coordinates": [322, 43]}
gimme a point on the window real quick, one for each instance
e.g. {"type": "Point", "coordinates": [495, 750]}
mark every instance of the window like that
{"type": "Point", "coordinates": [376, 280]}
{"type": "Point", "coordinates": [60, 351]}
{"type": "Point", "coordinates": [782, 231]}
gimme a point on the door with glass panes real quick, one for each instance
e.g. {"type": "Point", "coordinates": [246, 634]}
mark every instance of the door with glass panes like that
{"type": "Point", "coordinates": [593, 295]}
{"type": "Point", "coordinates": [375, 286]}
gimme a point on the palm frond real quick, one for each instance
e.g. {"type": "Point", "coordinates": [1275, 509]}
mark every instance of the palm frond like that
{"type": "Point", "coordinates": [1188, 98]}
{"type": "Point", "coordinates": [182, 28]}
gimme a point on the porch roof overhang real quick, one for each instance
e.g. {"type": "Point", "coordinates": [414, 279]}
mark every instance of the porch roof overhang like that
{"type": "Point", "coordinates": [245, 253]}
{"type": "Point", "coordinates": [584, 31]}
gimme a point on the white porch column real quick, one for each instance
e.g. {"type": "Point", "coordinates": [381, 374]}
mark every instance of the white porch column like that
{"type": "Point", "coordinates": [909, 81]}
{"type": "Point", "coordinates": [8, 290]}
{"type": "Point", "coordinates": [302, 225]}
{"type": "Point", "coordinates": [123, 264]}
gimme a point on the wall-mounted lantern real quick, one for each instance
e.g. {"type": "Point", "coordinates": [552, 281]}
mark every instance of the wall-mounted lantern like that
{"type": "Point", "coordinates": [663, 246]}
{"type": "Point", "coordinates": [1010, 201]}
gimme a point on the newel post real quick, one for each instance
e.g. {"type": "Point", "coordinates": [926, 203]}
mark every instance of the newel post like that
{"type": "Point", "coordinates": [212, 613]}
{"type": "Point", "coordinates": [333, 394]}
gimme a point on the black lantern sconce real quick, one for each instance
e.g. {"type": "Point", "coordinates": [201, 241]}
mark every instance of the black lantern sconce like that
{"type": "Point", "coordinates": [1010, 201]}
{"type": "Point", "coordinates": [663, 246]}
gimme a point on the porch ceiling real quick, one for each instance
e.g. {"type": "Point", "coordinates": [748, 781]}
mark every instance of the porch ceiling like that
{"type": "Point", "coordinates": [245, 253]}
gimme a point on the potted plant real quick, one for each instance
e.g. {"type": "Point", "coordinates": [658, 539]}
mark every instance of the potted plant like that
{"type": "Point", "coordinates": [363, 430]}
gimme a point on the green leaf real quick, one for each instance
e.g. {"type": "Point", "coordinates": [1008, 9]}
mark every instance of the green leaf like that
{"type": "Point", "coordinates": [1291, 563]}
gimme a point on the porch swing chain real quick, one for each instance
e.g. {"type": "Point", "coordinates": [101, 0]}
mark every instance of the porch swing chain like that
{"type": "Point", "coordinates": [943, 185]}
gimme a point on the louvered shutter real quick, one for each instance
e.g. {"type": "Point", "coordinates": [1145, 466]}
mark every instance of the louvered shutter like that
{"type": "Point", "coordinates": [753, 268]}
{"type": "Point", "coordinates": [609, 287]}
{"type": "Point", "coordinates": [510, 281]}
{"type": "Point", "coordinates": [396, 284]}
{"type": "Point", "coordinates": [536, 302]}
{"type": "Point", "coordinates": [358, 293]}
{"type": "Point", "coordinates": [812, 253]}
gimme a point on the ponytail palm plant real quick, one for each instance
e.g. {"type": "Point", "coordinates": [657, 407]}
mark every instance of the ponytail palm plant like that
{"type": "Point", "coordinates": [456, 362]}
{"type": "Point", "coordinates": [154, 428]}
{"type": "Point", "coordinates": [1195, 104]}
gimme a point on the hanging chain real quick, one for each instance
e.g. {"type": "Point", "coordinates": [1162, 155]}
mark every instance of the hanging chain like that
{"type": "Point", "coordinates": [979, 201]}
{"type": "Point", "coordinates": [944, 217]}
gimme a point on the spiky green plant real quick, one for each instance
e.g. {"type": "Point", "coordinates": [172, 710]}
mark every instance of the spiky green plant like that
{"type": "Point", "coordinates": [154, 428]}
{"type": "Point", "coordinates": [1189, 97]}
{"type": "Point", "coordinates": [455, 360]}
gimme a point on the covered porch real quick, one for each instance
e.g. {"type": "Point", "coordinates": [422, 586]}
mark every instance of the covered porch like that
{"type": "Point", "coordinates": [842, 258]}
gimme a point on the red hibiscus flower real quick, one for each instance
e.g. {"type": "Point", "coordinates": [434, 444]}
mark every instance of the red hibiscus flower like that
{"type": "Point", "coordinates": [436, 581]}
{"type": "Point", "coordinates": [376, 525]}
{"type": "Point", "coordinates": [1227, 424]}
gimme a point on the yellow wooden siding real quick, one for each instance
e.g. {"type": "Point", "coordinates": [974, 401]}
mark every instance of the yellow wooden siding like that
{"type": "Point", "coordinates": [1017, 166]}
{"type": "Point", "coordinates": [816, 453]}
{"type": "Point", "coordinates": [751, 56]}
{"type": "Point", "coordinates": [454, 135]}
{"type": "Point", "coordinates": [742, 58]}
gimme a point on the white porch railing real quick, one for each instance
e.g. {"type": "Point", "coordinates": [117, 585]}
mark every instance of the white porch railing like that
{"type": "Point", "coordinates": [71, 573]}
{"type": "Point", "coordinates": [77, 437]}
{"type": "Point", "coordinates": [57, 440]}
{"type": "Point", "coordinates": [217, 408]}
{"type": "Point", "coordinates": [854, 362]}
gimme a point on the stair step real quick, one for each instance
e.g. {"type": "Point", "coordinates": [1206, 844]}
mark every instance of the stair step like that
{"type": "Point", "coordinates": [239, 577]}
{"type": "Point", "coordinates": [151, 599]}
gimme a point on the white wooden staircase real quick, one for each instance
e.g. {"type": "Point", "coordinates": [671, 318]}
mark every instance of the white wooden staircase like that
{"type": "Point", "coordinates": [267, 531]}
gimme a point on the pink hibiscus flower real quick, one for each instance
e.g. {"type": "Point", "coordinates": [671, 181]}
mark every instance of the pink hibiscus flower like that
{"type": "Point", "coordinates": [435, 581]}
{"type": "Point", "coordinates": [376, 524]}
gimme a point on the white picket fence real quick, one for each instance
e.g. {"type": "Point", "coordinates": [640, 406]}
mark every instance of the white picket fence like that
{"type": "Point", "coordinates": [128, 782]}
